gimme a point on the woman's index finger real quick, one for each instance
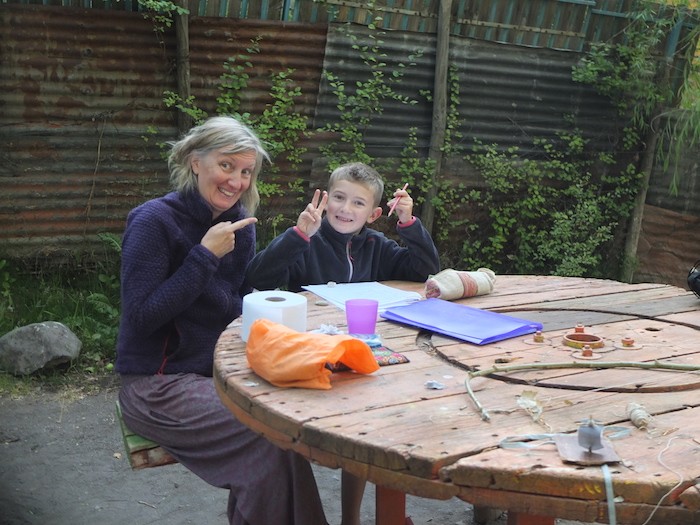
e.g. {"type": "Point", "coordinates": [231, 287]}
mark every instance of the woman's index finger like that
{"type": "Point", "coordinates": [243, 223]}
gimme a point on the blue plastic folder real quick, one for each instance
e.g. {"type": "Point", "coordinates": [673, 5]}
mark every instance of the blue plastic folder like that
{"type": "Point", "coordinates": [461, 322]}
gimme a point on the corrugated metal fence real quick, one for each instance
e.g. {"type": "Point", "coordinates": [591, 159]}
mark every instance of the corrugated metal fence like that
{"type": "Point", "coordinates": [554, 24]}
{"type": "Point", "coordinates": [79, 92]}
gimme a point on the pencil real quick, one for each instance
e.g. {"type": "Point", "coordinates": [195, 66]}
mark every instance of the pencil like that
{"type": "Point", "coordinates": [393, 206]}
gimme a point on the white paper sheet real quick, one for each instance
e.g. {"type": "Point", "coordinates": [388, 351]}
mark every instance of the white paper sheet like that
{"type": "Point", "coordinates": [387, 296]}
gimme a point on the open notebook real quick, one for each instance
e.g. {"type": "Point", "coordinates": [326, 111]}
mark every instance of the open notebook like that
{"type": "Point", "coordinates": [387, 296]}
{"type": "Point", "coordinates": [461, 322]}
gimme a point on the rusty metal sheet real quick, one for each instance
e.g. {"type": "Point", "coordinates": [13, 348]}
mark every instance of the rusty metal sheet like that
{"type": "Point", "coordinates": [82, 116]}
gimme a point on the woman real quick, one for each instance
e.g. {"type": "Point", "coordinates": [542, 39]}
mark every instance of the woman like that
{"type": "Point", "coordinates": [184, 257]}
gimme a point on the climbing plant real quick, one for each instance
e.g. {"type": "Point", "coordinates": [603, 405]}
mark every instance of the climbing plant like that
{"type": "Point", "coordinates": [418, 171]}
{"type": "Point", "coordinates": [566, 209]}
{"type": "Point", "coordinates": [280, 126]}
{"type": "Point", "coordinates": [160, 13]}
{"type": "Point", "coordinates": [361, 103]}
{"type": "Point", "coordinates": [555, 213]}
{"type": "Point", "coordinates": [637, 72]}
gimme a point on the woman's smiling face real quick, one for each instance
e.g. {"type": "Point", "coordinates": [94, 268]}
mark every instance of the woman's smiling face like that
{"type": "Point", "coordinates": [350, 207]}
{"type": "Point", "coordinates": [223, 177]}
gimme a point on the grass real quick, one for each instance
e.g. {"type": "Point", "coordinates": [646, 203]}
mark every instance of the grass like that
{"type": "Point", "coordinates": [85, 298]}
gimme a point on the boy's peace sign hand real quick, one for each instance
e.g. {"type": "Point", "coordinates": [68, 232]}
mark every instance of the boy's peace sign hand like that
{"type": "Point", "coordinates": [309, 220]}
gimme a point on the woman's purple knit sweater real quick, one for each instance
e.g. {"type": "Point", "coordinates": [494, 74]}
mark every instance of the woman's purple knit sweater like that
{"type": "Point", "coordinates": [176, 296]}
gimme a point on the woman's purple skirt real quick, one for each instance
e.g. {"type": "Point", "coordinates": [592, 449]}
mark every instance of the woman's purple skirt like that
{"type": "Point", "coordinates": [184, 414]}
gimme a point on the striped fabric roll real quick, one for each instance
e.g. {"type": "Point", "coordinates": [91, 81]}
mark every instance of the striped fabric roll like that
{"type": "Point", "coordinates": [453, 284]}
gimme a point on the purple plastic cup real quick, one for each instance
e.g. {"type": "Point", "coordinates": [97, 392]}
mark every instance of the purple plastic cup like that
{"type": "Point", "coordinates": [361, 315]}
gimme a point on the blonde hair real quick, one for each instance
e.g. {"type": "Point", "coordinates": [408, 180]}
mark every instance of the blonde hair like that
{"type": "Point", "coordinates": [362, 174]}
{"type": "Point", "coordinates": [224, 133]}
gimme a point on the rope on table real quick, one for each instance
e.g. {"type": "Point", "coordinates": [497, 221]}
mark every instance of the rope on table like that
{"type": "Point", "coordinates": [635, 412]}
{"type": "Point", "coordinates": [654, 365]}
{"type": "Point", "coordinates": [674, 488]}
{"type": "Point", "coordinates": [609, 494]}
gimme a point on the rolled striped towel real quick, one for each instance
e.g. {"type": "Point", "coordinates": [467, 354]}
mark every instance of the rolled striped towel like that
{"type": "Point", "coordinates": [453, 284]}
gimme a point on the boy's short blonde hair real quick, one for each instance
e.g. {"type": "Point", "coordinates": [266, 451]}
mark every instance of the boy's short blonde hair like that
{"type": "Point", "coordinates": [362, 174]}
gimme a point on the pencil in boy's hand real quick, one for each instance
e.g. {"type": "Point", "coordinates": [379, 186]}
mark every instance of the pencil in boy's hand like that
{"type": "Point", "coordinates": [393, 206]}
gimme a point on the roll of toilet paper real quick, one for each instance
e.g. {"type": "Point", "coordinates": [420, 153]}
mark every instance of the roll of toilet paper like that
{"type": "Point", "coordinates": [286, 308]}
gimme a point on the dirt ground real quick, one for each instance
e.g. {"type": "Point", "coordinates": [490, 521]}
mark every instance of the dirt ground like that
{"type": "Point", "coordinates": [62, 462]}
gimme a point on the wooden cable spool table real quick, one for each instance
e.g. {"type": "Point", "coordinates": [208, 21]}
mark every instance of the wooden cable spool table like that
{"type": "Point", "coordinates": [494, 448]}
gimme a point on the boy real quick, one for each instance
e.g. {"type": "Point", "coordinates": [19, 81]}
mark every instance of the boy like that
{"type": "Point", "coordinates": [341, 248]}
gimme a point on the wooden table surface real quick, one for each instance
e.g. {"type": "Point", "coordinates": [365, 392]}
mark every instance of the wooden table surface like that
{"type": "Point", "coordinates": [405, 437]}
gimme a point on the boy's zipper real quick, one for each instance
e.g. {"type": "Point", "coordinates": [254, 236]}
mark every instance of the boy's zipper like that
{"type": "Point", "coordinates": [348, 246]}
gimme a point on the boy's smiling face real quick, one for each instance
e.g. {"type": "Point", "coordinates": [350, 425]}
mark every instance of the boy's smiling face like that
{"type": "Point", "coordinates": [350, 207]}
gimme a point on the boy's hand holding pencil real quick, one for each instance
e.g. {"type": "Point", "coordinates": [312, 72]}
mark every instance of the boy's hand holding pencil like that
{"type": "Point", "coordinates": [402, 204]}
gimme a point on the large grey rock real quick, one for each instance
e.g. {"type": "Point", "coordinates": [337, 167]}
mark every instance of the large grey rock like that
{"type": "Point", "coordinates": [38, 346]}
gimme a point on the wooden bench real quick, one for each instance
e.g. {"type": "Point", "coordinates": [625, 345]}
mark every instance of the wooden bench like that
{"type": "Point", "coordinates": [142, 452]}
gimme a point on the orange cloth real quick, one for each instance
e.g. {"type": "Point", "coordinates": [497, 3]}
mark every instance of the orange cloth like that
{"type": "Point", "coordinates": [287, 358]}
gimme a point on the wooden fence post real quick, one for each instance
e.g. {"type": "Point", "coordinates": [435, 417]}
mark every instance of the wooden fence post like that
{"type": "Point", "coordinates": [439, 121]}
{"type": "Point", "coordinates": [182, 64]}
